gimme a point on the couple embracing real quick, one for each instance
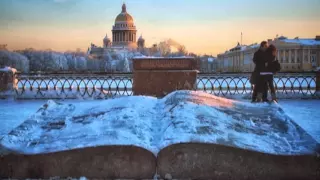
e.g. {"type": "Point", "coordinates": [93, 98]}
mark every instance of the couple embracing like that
{"type": "Point", "coordinates": [266, 65]}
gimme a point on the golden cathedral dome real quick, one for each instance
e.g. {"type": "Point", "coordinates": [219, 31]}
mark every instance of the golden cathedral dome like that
{"type": "Point", "coordinates": [124, 16]}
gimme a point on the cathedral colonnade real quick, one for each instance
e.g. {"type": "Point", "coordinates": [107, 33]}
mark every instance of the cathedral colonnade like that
{"type": "Point", "coordinates": [124, 36]}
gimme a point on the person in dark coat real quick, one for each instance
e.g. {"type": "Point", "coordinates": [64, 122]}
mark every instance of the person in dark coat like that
{"type": "Point", "coordinates": [273, 66]}
{"type": "Point", "coordinates": [260, 58]}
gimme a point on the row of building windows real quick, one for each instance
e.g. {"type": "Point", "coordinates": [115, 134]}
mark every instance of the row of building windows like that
{"type": "Point", "coordinates": [248, 59]}
{"type": "Point", "coordinates": [124, 25]}
{"type": "Point", "coordinates": [286, 60]}
{"type": "Point", "coordinates": [214, 66]}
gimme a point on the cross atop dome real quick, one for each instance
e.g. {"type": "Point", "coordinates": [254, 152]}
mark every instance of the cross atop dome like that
{"type": "Point", "coordinates": [124, 8]}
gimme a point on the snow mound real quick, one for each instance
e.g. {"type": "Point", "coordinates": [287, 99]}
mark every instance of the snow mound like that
{"type": "Point", "coordinates": [181, 116]}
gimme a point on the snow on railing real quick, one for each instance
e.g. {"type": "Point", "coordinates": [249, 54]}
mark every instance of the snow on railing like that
{"type": "Point", "coordinates": [60, 86]}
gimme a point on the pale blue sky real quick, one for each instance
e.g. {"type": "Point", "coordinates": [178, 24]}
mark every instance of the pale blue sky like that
{"type": "Point", "coordinates": [21, 12]}
{"type": "Point", "coordinates": [50, 15]}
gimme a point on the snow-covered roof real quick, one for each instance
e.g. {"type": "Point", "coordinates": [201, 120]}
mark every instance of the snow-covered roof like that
{"type": "Point", "coordinates": [254, 45]}
{"type": "Point", "coordinates": [282, 37]}
{"type": "Point", "coordinates": [8, 69]}
{"type": "Point", "coordinates": [243, 48]}
{"type": "Point", "coordinates": [309, 42]}
{"type": "Point", "coordinates": [237, 48]}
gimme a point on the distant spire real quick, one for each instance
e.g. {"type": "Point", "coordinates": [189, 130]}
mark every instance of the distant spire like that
{"type": "Point", "coordinates": [241, 38]}
{"type": "Point", "coordinates": [124, 8]}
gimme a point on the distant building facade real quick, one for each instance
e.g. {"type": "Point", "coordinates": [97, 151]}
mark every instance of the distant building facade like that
{"type": "Point", "coordinates": [293, 54]}
{"type": "Point", "coordinates": [208, 64]}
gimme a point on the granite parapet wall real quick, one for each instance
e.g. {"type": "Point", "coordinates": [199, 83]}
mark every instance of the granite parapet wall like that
{"type": "Point", "coordinates": [179, 161]}
{"type": "Point", "coordinates": [126, 162]}
{"type": "Point", "coordinates": [211, 161]}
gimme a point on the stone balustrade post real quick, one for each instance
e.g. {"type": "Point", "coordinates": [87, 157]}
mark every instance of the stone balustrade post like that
{"type": "Point", "coordinates": [318, 81]}
{"type": "Point", "coordinates": [7, 82]}
{"type": "Point", "coordinates": [161, 76]}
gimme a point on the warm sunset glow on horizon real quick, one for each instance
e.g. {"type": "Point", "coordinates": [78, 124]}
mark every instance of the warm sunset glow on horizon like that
{"type": "Point", "coordinates": [204, 26]}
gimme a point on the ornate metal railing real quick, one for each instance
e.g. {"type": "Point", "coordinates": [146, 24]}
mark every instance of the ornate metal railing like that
{"type": "Point", "coordinates": [293, 85]}
{"type": "Point", "coordinates": [288, 85]}
{"type": "Point", "coordinates": [73, 86]}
